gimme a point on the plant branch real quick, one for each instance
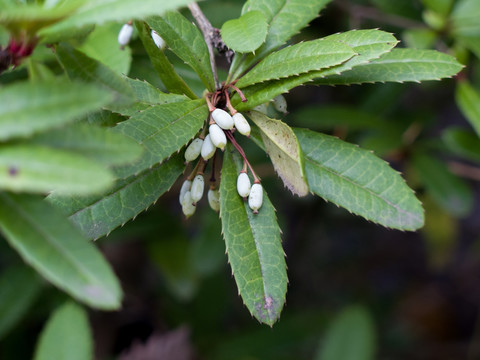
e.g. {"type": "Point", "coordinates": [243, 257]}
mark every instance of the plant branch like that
{"type": "Point", "coordinates": [208, 32]}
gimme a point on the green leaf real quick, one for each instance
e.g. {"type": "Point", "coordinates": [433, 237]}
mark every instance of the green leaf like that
{"type": "Point", "coordinates": [66, 336]}
{"type": "Point", "coordinates": [99, 12]}
{"type": "Point", "coordinates": [97, 216]}
{"type": "Point", "coordinates": [463, 143]}
{"type": "Point", "coordinates": [80, 66]}
{"type": "Point", "coordinates": [358, 181]}
{"type": "Point", "coordinates": [253, 246]}
{"type": "Point", "coordinates": [441, 7]}
{"type": "Point", "coordinates": [465, 18]}
{"type": "Point", "coordinates": [282, 147]}
{"type": "Point", "coordinates": [38, 169]}
{"type": "Point", "coordinates": [468, 100]}
{"type": "Point", "coordinates": [149, 94]}
{"type": "Point", "coordinates": [296, 59]}
{"type": "Point", "coordinates": [102, 145]}
{"type": "Point", "coordinates": [368, 44]}
{"type": "Point", "coordinates": [165, 70]}
{"type": "Point", "coordinates": [19, 288]}
{"type": "Point", "coordinates": [162, 130]}
{"type": "Point", "coordinates": [187, 42]}
{"type": "Point", "coordinates": [102, 45]}
{"type": "Point", "coordinates": [399, 65]}
{"type": "Point", "coordinates": [28, 107]}
{"type": "Point", "coordinates": [55, 248]}
{"type": "Point", "coordinates": [246, 33]}
{"type": "Point", "coordinates": [452, 193]}
{"type": "Point", "coordinates": [350, 337]}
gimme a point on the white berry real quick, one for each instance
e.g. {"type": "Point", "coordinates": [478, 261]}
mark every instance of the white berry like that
{"type": "Point", "coordinates": [157, 39]}
{"type": "Point", "coordinates": [214, 199]}
{"type": "Point", "coordinates": [187, 205]}
{"type": "Point", "coordinates": [280, 104]}
{"type": "Point", "coordinates": [217, 136]}
{"type": "Point", "coordinates": [255, 199]}
{"type": "Point", "coordinates": [261, 108]}
{"type": "Point", "coordinates": [208, 149]}
{"type": "Point", "coordinates": [243, 185]}
{"type": "Point", "coordinates": [223, 119]}
{"type": "Point", "coordinates": [125, 34]}
{"type": "Point", "coordinates": [187, 184]}
{"type": "Point", "coordinates": [241, 124]}
{"type": "Point", "coordinates": [193, 150]}
{"type": "Point", "coordinates": [198, 186]}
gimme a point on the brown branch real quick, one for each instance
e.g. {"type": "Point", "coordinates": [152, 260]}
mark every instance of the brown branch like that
{"type": "Point", "coordinates": [464, 170]}
{"type": "Point", "coordinates": [208, 32]}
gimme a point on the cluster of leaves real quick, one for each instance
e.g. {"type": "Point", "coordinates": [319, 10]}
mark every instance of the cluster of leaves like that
{"type": "Point", "coordinates": [104, 146]}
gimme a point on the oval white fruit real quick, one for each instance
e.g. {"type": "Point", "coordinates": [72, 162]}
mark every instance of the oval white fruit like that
{"type": "Point", "coordinates": [223, 119]}
{"type": "Point", "coordinates": [280, 104]}
{"type": "Point", "coordinates": [241, 124]}
{"type": "Point", "coordinates": [187, 184]}
{"type": "Point", "coordinates": [214, 199]}
{"type": "Point", "coordinates": [217, 136]}
{"type": "Point", "coordinates": [208, 149]}
{"type": "Point", "coordinates": [243, 185]}
{"type": "Point", "coordinates": [197, 188]}
{"type": "Point", "coordinates": [193, 150]}
{"type": "Point", "coordinates": [157, 39]}
{"type": "Point", "coordinates": [261, 108]}
{"type": "Point", "coordinates": [255, 199]}
{"type": "Point", "coordinates": [188, 208]}
{"type": "Point", "coordinates": [125, 34]}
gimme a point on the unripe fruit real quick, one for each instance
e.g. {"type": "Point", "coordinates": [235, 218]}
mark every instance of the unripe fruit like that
{"type": "Point", "coordinates": [187, 184]}
{"type": "Point", "coordinates": [242, 124]}
{"type": "Point", "coordinates": [223, 119]}
{"type": "Point", "coordinates": [208, 149]}
{"type": "Point", "coordinates": [243, 185]}
{"type": "Point", "coordinates": [187, 205]}
{"type": "Point", "coordinates": [193, 150]}
{"type": "Point", "coordinates": [157, 39]}
{"type": "Point", "coordinates": [280, 104]}
{"type": "Point", "coordinates": [125, 34]}
{"type": "Point", "coordinates": [255, 199]}
{"type": "Point", "coordinates": [198, 185]}
{"type": "Point", "coordinates": [261, 108]}
{"type": "Point", "coordinates": [217, 136]}
{"type": "Point", "coordinates": [214, 199]}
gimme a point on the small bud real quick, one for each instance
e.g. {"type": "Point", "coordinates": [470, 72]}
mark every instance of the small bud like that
{"type": "Point", "coordinates": [241, 124]}
{"type": "Point", "coordinates": [280, 104]}
{"type": "Point", "coordinates": [208, 149]}
{"type": "Point", "coordinates": [157, 39]}
{"type": "Point", "coordinates": [193, 150]}
{"type": "Point", "coordinates": [187, 205]}
{"type": "Point", "coordinates": [243, 185]}
{"type": "Point", "coordinates": [214, 199]}
{"type": "Point", "coordinates": [198, 185]}
{"type": "Point", "coordinates": [187, 184]}
{"type": "Point", "coordinates": [255, 199]}
{"type": "Point", "coordinates": [125, 34]}
{"type": "Point", "coordinates": [223, 119]}
{"type": "Point", "coordinates": [261, 108]}
{"type": "Point", "coordinates": [217, 136]}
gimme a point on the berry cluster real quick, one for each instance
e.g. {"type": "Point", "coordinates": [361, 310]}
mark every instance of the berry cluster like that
{"type": "Point", "coordinates": [221, 128]}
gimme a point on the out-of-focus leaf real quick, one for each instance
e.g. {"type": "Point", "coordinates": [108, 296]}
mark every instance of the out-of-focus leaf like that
{"type": "Point", "coordinates": [97, 216]}
{"type": "Point", "coordinates": [56, 249]}
{"type": "Point", "coordinates": [442, 7]}
{"type": "Point", "coordinates": [282, 146]}
{"type": "Point", "coordinates": [468, 100]}
{"type": "Point", "coordinates": [350, 337]}
{"type": "Point", "coordinates": [462, 142]}
{"type": "Point", "coordinates": [66, 336]}
{"type": "Point", "coordinates": [19, 287]}
{"type": "Point", "coordinates": [39, 169]}
{"type": "Point", "coordinates": [165, 70]}
{"type": "Point", "coordinates": [465, 18]}
{"type": "Point", "coordinates": [358, 181]}
{"type": "Point", "coordinates": [99, 144]}
{"type": "Point", "coordinates": [162, 130]}
{"type": "Point", "coordinates": [254, 247]}
{"type": "Point", "coordinates": [419, 38]}
{"type": "Point", "coordinates": [26, 108]}
{"type": "Point", "coordinates": [187, 42]}
{"type": "Point", "coordinates": [449, 191]}
{"type": "Point", "coordinates": [246, 33]}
